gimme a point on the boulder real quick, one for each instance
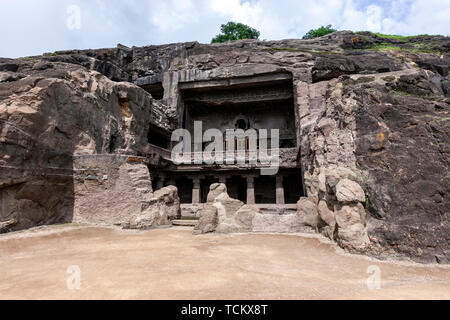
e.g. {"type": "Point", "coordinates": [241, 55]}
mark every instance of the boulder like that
{"type": "Point", "coordinates": [169, 202]}
{"type": "Point", "coordinates": [230, 206]}
{"type": "Point", "coordinates": [208, 220]}
{"type": "Point", "coordinates": [351, 231]}
{"type": "Point", "coordinates": [355, 236]}
{"type": "Point", "coordinates": [348, 191]}
{"type": "Point", "coordinates": [334, 174]}
{"type": "Point", "coordinates": [5, 225]}
{"type": "Point", "coordinates": [327, 219]}
{"type": "Point", "coordinates": [160, 209]}
{"type": "Point", "coordinates": [307, 209]}
{"type": "Point", "coordinates": [230, 221]}
{"type": "Point", "coordinates": [215, 190]}
{"type": "Point", "coordinates": [224, 214]}
{"type": "Point", "coordinates": [348, 215]}
{"type": "Point", "coordinates": [244, 217]}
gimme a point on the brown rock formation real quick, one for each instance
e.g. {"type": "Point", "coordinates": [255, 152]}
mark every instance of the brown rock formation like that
{"type": "Point", "coordinates": [365, 116]}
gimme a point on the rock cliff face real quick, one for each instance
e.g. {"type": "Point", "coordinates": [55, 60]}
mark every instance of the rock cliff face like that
{"type": "Point", "coordinates": [62, 131]}
{"type": "Point", "coordinates": [371, 115]}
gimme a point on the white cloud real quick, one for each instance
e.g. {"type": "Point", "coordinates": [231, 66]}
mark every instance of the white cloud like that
{"type": "Point", "coordinates": [33, 27]}
{"type": "Point", "coordinates": [373, 22]}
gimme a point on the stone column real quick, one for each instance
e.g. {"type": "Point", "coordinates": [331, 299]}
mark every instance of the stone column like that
{"type": "Point", "coordinates": [250, 190]}
{"type": "Point", "coordinates": [280, 190]}
{"type": "Point", "coordinates": [196, 190]}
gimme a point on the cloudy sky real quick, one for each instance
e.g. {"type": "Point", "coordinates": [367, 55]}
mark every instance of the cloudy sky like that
{"type": "Point", "coordinates": [31, 27]}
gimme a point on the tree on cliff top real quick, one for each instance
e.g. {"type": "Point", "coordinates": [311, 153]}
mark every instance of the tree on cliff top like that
{"type": "Point", "coordinates": [235, 31]}
{"type": "Point", "coordinates": [319, 32]}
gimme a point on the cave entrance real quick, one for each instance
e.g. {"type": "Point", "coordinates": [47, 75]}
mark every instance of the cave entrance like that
{"type": "Point", "coordinates": [265, 192]}
{"type": "Point", "coordinates": [155, 89]}
{"type": "Point", "coordinates": [262, 102]}
{"type": "Point", "coordinates": [237, 188]}
{"type": "Point", "coordinates": [185, 187]}
{"type": "Point", "coordinates": [293, 187]}
{"type": "Point", "coordinates": [158, 138]}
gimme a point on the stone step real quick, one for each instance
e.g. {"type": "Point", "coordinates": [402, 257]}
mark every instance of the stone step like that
{"type": "Point", "coordinates": [193, 210]}
{"type": "Point", "coordinates": [275, 209]}
{"type": "Point", "coordinates": [185, 223]}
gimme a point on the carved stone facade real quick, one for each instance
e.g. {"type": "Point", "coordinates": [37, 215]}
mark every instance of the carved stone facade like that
{"type": "Point", "coordinates": [85, 136]}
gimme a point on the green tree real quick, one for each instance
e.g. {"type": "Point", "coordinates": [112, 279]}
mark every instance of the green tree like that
{"type": "Point", "coordinates": [235, 31]}
{"type": "Point", "coordinates": [315, 33]}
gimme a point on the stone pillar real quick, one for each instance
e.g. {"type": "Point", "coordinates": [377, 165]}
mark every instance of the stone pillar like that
{"type": "Point", "coordinates": [161, 181]}
{"type": "Point", "coordinates": [280, 190]}
{"type": "Point", "coordinates": [250, 190]}
{"type": "Point", "coordinates": [196, 190]}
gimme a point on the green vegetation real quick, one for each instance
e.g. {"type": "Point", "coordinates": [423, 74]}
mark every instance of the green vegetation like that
{"type": "Point", "coordinates": [235, 31]}
{"type": "Point", "coordinates": [319, 32]}
{"type": "Point", "coordinates": [397, 93]}
{"type": "Point", "coordinates": [303, 50]}
{"type": "Point", "coordinates": [398, 37]}
{"type": "Point", "coordinates": [189, 218]}
{"type": "Point", "coordinates": [417, 48]}
{"type": "Point", "coordinates": [367, 206]}
{"type": "Point", "coordinates": [386, 47]}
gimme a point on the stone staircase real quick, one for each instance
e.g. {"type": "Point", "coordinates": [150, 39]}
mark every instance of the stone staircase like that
{"type": "Point", "coordinates": [273, 218]}
{"type": "Point", "coordinates": [191, 222]}
{"type": "Point", "coordinates": [193, 210]}
{"type": "Point", "coordinates": [277, 209]}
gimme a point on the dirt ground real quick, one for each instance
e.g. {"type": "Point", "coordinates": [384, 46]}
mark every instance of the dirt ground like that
{"type": "Point", "coordinates": [174, 264]}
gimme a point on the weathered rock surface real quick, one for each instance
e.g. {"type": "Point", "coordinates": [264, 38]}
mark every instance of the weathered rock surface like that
{"type": "Point", "coordinates": [208, 220]}
{"type": "Point", "coordinates": [377, 117]}
{"type": "Point", "coordinates": [159, 209]}
{"type": "Point", "coordinates": [307, 209]}
{"type": "Point", "coordinates": [222, 214]}
{"type": "Point", "coordinates": [348, 191]}
{"type": "Point", "coordinates": [351, 230]}
{"type": "Point", "coordinates": [61, 133]}
{"type": "Point", "coordinates": [327, 220]}
{"type": "Point", "coordinates": [401, 133]}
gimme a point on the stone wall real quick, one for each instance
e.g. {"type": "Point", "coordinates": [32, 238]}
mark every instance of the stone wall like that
{"type": "Point", "coordinates": [62, 130]}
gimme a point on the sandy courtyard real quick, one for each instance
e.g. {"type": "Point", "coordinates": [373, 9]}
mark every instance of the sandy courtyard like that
{"type": "Point", "coordinates": [174, 264]}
